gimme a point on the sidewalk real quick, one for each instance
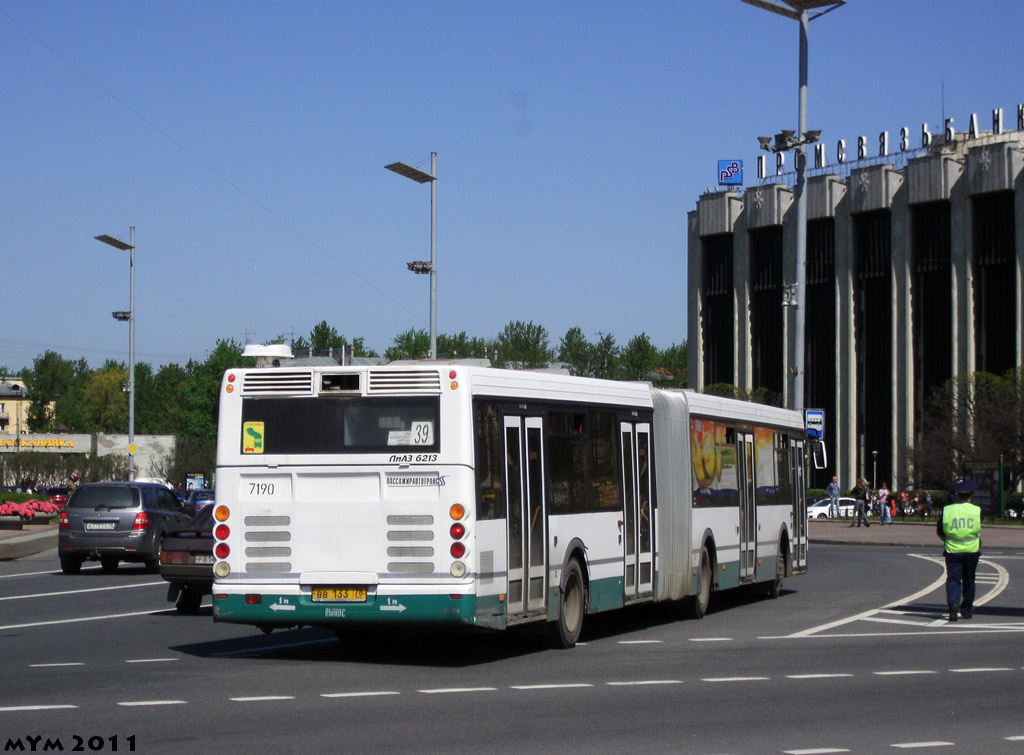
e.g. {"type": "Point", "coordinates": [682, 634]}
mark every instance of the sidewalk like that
{"type": "Point", "coordinates": [29, 540]}
{"type": "Point", "coordinates": [914, 534]}
{"type": "Point", "coordinates": [35, 538]}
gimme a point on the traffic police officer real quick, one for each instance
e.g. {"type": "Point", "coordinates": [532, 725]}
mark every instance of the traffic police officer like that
{"type": "Point", "coordinates": [960, 529]}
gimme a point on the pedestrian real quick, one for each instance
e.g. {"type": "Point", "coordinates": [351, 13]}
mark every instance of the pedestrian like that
{"type": "Point", "coordinates": [862, 496]}
{"type": "Point", "coordinates": [832, 491]}
{"type": "Point", "coordinates": [884, 516]}
{"type": "Point", "coordinates": [960, 530]}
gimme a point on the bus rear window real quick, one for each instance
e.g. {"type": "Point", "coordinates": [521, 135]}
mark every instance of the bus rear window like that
{"type": "Point", "coordinates": [354, 424]}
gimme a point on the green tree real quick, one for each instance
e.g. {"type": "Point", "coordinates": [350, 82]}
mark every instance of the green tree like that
{"type": "Point", "coordinates": [160, 410]}
{"type": "Point", "coordinates": [412, 344]}
{"type": "Point", "coordinates": [50, 377]}
{"type": "Point", "coordinates": [359, 349]}
{"type": "Point", "coordinates": [323, 337]}
{"type": "Point", "coordinates": [576, 351]}
{"type": "Point", "coordinates": [200, 395]}
{"type": "Point", "coordinates": [673, 360]}
{"type": "Point", "coordinates": [606, 357]}
{"type": "Point", "coordinates": [523, 345]}
{"type": "Point", "coordinates": [104, 402]}
{"type": "Point", "coordinates": [973, 417]}
{"type": "Point", "coordinates": [460, 346]}
{"type": "Point", "coordinates": [639, 359]}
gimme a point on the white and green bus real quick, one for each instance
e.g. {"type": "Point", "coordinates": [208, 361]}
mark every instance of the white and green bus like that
{"type": "Point", "coordinates": [453, 494]}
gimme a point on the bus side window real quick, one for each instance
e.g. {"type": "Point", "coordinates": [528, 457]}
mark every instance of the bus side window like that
{"type": "Point", "coordinates": [489, 466]}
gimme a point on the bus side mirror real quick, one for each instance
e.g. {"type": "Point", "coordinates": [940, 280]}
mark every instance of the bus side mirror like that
{"type": "Point", "coordinates": [818, 454]}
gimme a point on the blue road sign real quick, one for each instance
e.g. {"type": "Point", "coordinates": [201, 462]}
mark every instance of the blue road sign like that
{"type": "Point", "coordinates": [814, 421]}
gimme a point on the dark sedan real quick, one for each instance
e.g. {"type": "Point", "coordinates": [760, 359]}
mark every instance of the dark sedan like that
{"type": "Point", "coordinates": [198, 500]}
{"type": "Point", "coordinates": [186, 561]}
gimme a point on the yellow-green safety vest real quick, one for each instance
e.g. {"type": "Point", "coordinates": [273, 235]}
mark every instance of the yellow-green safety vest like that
{"type": "Point", "coordinates": [961, 523]}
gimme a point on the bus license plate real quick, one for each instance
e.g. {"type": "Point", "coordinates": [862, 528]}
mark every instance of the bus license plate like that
{"type": "Point", "coordinates": [339, 594]}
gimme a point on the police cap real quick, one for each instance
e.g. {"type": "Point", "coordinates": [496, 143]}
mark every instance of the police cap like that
{"type": "Point", "coordinates": [964, 487]}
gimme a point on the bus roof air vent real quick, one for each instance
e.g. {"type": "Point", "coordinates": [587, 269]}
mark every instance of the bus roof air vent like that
{"type": "Point", "coordinates": [277, 381]}
{"type": "Point", "coordinates": [404, 381]}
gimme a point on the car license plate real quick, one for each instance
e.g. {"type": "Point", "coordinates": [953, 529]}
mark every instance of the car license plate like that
{"type": "Point", "coordinates": [100, 525]}
{"type": "Point", "coordinates": [202, 558]}
{"type": "Point", "coordinates": [339, 594]}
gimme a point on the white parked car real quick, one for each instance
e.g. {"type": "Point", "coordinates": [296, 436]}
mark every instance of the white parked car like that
{"type": "Point", "coordinates": [819, 509]}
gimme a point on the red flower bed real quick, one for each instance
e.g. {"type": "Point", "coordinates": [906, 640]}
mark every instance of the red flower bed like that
{"type": "Point", "coordinates": [28, 509]}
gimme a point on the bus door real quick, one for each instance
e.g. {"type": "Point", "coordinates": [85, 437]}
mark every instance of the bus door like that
{"type": "Point", "coordinates": [799, 508]}
{"type": "Point", "coordinates": [527, 515]}
{"type": "Point", "coordinates": [748, 505]}
{"type": "Point", "coordinates": [635, 526]}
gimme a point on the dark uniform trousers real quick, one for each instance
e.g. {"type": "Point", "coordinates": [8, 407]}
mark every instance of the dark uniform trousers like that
{"type": "Point", "coordinates": [960, 568]}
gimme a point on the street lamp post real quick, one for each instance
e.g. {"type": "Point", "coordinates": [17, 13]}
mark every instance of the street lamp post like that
{"type": "Point", "coordinates": [874, 470]}
{"type": "Point", "coordinates": [421, 267]}
{"type": "Point", "coordinates": [121, 316]}
{"type": "Point", "coordinates": [798, 10]}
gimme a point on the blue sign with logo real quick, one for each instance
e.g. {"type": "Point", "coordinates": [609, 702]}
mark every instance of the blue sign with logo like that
{"type": "Point", "coordinates": [730, 172]}
{"type": "Point", "coordinates": [814, 421]}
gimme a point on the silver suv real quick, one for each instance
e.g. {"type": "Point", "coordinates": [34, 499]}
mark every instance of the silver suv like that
{"type": "Point", "coordinates": [116, 521]}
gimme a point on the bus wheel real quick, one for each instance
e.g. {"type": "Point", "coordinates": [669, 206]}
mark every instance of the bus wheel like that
{"type": "Point", "coordinates": [572, 606]}
{"type": "Point", "coordinates": [697, 605]}
{"type": "Point", "coordinates": [774, 587]}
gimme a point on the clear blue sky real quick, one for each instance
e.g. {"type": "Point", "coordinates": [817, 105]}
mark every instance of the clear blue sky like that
{"type": "Point", "coordinates": [246, 142]}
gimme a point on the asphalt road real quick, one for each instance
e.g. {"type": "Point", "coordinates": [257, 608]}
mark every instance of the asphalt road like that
{"type": "Point", "coordinates": [855, 656]}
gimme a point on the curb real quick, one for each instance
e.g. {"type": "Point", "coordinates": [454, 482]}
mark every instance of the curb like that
{"type": "Point", "coordinates": [19, 546]}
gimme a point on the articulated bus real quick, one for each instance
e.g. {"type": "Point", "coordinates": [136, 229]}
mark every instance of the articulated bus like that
{"type": "Point", "coordinates": [452, 494]}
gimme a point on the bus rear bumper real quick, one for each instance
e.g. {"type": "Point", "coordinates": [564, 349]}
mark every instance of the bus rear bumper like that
{"type": "Point", "coordinates": [269, 609]}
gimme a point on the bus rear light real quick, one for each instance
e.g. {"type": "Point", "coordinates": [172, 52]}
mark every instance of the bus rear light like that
{"type": "Point", "coordinates": [455, 385]}
{"type": "Point", "coordinates": [253, 599]}
{"type": "Point", "coordinates": [222, 569]}
{"type": "Point", "coordinates": [458, 550]}
{"type": "Point", "coordinates": [458, 569]}
{"type": "Point", "coordinates": [64, 523]}
{"type": "Point", "coordinates": [221, 532]}
{"type": "Point", "coordinates": [141, 522]}
{"type": "Point", "coordinates": [223, 550]}
{"type": "Point", "coordinates": [221, 513]}
{"type": "Point", "coordinates": [457, 531]}
{"type": "Point", "coordinates": [457, 511]}
{"type": "Point", "coordinates": [230, 388]}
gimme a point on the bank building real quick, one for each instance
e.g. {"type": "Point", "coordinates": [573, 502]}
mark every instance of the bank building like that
{"type": "Point", "coordinates": [913, 276]}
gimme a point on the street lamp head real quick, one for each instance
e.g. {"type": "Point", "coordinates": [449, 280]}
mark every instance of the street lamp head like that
{"type": "Point", "coordinates": [114, 242]}
{"type": "Point", "coordinates": [417, 175]}
{"type": "Point", "coordinates": [765, 142]}
{"type": "Point", "coordinates": [812, 136]}
{"type": "Point", "coordinates": [122, 316]}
